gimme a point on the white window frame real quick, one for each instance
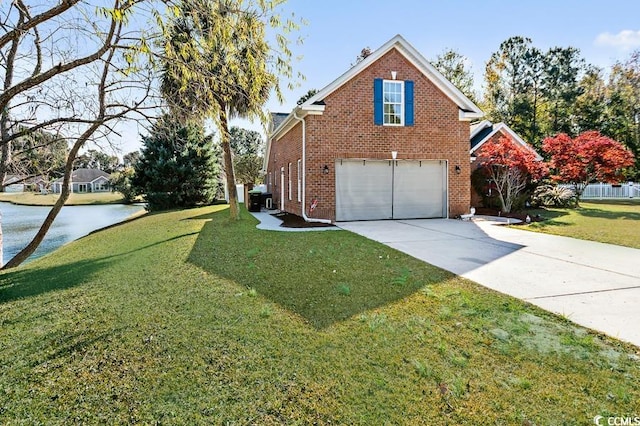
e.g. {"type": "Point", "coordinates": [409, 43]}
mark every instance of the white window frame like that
{"type": "Point", "coordinates": [101, 186]}
{"type": "Point", "coordinates": [299, 181]}
{"type": "Point", "coordinates": [401, 105]}
{"type": "Point", "coordinates": [289, 177]}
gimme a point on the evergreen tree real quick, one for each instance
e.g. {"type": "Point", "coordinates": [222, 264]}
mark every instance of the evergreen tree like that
{"type": "Point", "coordinates": [508, 80]}
{"type": "Point", "coordinates": [177, 167]}
{"type": "Point", "coordinates": [561, 87]}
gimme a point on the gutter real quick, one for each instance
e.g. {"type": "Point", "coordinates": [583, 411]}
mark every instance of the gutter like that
{"type": "Point", "coordinates": [304, 171]}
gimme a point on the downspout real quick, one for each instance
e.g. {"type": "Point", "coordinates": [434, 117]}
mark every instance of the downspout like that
{"type": "Point", "coordinates": [304, 171]}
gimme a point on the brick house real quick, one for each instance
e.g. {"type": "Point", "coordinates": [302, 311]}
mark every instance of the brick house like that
{"type": "Point", "coordinates": [485, 131]}
{"type": "Point", "coordinates": [387, 139]}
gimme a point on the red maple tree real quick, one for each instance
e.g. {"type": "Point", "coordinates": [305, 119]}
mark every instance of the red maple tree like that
{"type": "Point", "coordinates": [589, 157]}
{"type": "Point", "coordinates": [510, 167]}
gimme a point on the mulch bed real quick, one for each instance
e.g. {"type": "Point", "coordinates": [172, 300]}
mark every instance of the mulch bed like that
{"type": "Point", "coordinates": [294, 221]}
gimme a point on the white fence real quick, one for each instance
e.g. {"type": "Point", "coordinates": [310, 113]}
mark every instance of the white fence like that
{"type": "Point", "coordinates": [599, 191]}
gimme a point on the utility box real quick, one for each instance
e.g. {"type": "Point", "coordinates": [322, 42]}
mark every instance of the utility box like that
{"type": "Point", "coordinates": [255, 201]}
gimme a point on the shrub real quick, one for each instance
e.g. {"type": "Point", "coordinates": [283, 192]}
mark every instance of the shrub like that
{"type": "Point", "coordinates": [553, 196]}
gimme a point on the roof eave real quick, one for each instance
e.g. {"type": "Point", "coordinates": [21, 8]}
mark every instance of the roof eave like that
{"type": "Point", "coordinates": [470, 115]}
{"type": "Point", "coordinates": [287, 124]}
{"type": "Point", "coordinates": [300, 112]}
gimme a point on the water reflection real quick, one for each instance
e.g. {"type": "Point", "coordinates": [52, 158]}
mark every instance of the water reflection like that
{"type": "Point", "coordinates": [20, 224]}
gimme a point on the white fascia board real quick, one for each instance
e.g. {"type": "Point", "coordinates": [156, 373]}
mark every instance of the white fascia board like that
{"type": "Point", "coordinates": [469, 115]}
{"type": "Point", "coordinates": [514, 136]}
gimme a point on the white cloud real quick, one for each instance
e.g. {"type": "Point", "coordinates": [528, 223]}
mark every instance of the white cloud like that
{"type": "Point", "coordinates": [624, 40]}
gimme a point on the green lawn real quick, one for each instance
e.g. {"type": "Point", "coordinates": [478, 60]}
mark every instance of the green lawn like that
{"type": "Point", "coordinates": [186, 318]}
{"type": "Point", "coordinates": [611, 221]}
{"type": "Point", "coordinates": [37, 199]}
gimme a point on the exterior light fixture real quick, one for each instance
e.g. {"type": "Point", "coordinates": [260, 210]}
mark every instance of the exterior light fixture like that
{"type": "Point", "coordinates": [325, 170]}
{"type": "Point", "coordinates": [458, 170]}
{"type": "Point", "coordinates": [393, 75]}
{"type": "Point", "coordinates": [394, 154]}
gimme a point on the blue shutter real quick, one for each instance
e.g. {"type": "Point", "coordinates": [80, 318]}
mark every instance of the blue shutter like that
{"type": "Point", "coordinates": [408, 103]}
{"type": "Point", "coordinates": [377, 102]}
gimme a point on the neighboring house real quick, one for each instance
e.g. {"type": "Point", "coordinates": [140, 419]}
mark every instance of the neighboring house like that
{"type": "Point", "coordinates": [485, 131]}
{"type": "Point", "coordinates": [21, 183]}
{"type": "Point", "coordinates": [14, 183]}
{"type": "Point", "coordinates": [85, 180]}
{"type": "Point", "coordinates": [387, 139]}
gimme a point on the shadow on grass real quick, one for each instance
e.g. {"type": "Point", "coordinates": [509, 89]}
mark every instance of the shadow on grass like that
{"type": "Point", "coordinates": [608, 214]}
{"type": "Point", "coordinates": [32, 281]}
{"type": "Point", "coordinates": [21, 283]}
{"type": "Point", "coordinates": [325, 277]}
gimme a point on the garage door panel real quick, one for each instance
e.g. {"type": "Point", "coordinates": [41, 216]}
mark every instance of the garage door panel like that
{"type": "Point", "coordinates": [363, 190]}
{"type": "Point", "coordinates": [419, 189]}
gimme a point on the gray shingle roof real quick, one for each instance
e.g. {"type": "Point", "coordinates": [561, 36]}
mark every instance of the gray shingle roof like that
{"type": "Point", "coordinates": [276, 119]}
{"type": "Point", "coordinates": [86, 175]}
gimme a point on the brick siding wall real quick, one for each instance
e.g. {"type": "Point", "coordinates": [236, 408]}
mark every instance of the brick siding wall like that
{"type": "Point", "coordinates": [346, 130]}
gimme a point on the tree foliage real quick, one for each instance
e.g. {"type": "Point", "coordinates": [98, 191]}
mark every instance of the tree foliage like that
{"type": "Point", "coordinates": [218, 63]}
{"type": "Point", "coordinates": [510, 167]}
{"type": "Point", "coordinates": [248, 151]}
{"type": "Point", "coordinates": [38, 153]}
{"type": "Point", "coordinates": [122, 182]}
{"type": "Point", "coordinates": [304, 98]}
{"type": "Point", "coordinates": [94, 159]}
{"type": "Point", "coordinates": [177, 167]}
{"type": "Point", "coordinates": [453, 66]}
{"type": "Point", "coordinates": [533, 92]}
{"type": "Point", "coordinates": [623, 103]}
{"type": "Point", "coordinates": [587, 158]}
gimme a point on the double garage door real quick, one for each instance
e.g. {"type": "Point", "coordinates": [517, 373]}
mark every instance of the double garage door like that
{"type": "Point", "coordinates": [384, 189]}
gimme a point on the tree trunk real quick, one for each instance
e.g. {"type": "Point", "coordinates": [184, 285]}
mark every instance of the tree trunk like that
{"type": "Point", "coordinates": [5, 155]}
{"type": "Point", "coordinates": [1, 243]}
{"type": "Point", "coordinates": [234, 209]}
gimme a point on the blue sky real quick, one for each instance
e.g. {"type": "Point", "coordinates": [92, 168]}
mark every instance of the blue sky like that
{"type": "Point", "coordinates": [336, 31]}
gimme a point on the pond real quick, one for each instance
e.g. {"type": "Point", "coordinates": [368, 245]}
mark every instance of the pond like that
{"type": "Point", "coordinates": [20, 224]}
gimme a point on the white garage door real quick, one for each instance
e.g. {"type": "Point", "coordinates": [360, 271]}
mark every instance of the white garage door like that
{"type": "Point", "coordinates": [363, 189]}
{"type": "Point", "coordinates": [419, 189]}
{"type": "Point", "coordinates": [379, 189]}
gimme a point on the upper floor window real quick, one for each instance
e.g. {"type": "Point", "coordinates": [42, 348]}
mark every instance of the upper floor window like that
{"type": "Point", "coordinates": [393, 102]}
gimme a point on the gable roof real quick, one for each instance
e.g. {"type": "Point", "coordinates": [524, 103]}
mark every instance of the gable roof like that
{"type": "Point", "coordinates": [86, 175]}
{"type": "Point", "coordinates": [315, 105]}
{"type": "Point", "coordinates": [484, 130]}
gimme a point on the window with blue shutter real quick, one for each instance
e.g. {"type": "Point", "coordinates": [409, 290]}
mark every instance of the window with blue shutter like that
{"type": "Point", "coordinates": [393, 102]}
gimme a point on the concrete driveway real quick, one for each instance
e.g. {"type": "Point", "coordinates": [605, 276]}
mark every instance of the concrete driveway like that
{"type": "Point", "coordinates": [593, 284]}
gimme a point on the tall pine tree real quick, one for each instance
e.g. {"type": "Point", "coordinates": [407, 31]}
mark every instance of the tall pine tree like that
{"type": "Point", "coordinates": [178, 167]}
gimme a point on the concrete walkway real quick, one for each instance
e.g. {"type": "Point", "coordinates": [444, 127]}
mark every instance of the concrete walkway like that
{"type": "Point", "coordinates": [593, 284]}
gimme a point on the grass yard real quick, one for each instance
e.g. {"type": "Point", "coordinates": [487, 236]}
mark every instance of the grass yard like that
{"type": "Point", "coordinates": [37, 199]}
{"type": "Point", "coordinates": [186, 318]}
{"type": "Point", "coordinates": [610, 221]}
